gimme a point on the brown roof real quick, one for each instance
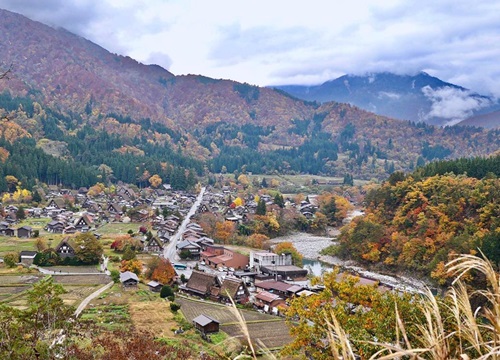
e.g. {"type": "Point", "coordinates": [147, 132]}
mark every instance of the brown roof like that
{"type": "Point", "coordinates": [230, 287]}
{"type": "Point", "coordinates": [201, 282]}
{"type": "Point", "coordinates": [273, 285]}
{"type": "Point", "coordinates": [267, 296]}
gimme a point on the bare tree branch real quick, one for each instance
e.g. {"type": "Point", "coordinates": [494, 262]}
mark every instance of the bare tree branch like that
{"type": "Point", "coordinates": [5, 74]}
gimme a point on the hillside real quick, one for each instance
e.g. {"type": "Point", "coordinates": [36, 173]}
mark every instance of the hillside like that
{"type": "Point", "coordinates": [420, 221]}
{"type": "Point", "coordinates": [419, 97]}
{"type": "Point", "coordinates": [65, 92]}
{"type": "Point", "coordinates": [488, 121]}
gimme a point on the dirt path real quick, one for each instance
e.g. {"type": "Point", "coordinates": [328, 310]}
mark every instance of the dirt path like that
{"type": "Point", "coordinates": [92, 296]}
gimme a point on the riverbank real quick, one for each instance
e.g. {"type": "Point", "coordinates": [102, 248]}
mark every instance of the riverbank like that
{"type": "Point", "coordinates": [310, 246]}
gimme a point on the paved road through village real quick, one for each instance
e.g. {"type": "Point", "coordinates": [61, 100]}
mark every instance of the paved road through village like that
{"type": "Point", "coordinates": [169, 251]}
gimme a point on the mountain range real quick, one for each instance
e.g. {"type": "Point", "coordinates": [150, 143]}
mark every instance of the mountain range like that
{"type": "Point", "coordinates": [64, 91]}
{"type": "Point", "coordinates": [419, 97]}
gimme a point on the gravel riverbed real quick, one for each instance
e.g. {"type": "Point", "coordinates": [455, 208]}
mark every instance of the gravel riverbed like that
{"type": "Point", "coordinates": [310, 246]}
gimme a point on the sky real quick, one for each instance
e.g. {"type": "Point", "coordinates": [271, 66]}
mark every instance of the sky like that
{"type": "Point", "coordinates": [283, 42]}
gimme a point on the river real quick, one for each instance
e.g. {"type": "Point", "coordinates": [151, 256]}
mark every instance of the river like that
{"type": "Point", "coordinates": [310, 245]}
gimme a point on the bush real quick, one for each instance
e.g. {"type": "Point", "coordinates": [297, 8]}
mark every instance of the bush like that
{"type": "Point", "coordinates": [11, 259]}
{"type": "Point", "coordinates": [166, 291]}
{"type": "Point", "coordinates": [114, 258]}
{"type": "Point", "coordinates": [171, 298]}
{"type": "Point", "coordinates": [115, 276]}
{"type": "Point", "coordinates": [174, 307]}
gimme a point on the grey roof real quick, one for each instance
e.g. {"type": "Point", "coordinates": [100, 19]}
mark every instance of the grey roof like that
{"type": "Point", "coordinates": [204, 320]}
{"type": "Point", "coordinates": [187, 243]}
{"type": "Point", "coordinates": [153, 283]}
{"type": "Point", "coordinates": [127, 275]}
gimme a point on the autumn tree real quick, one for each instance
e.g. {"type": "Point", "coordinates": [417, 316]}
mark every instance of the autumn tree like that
{"type": "Point", "coordinates": [287, 247]}
{"type": "Point", "coordinates": [97, 189]}
{"type": "Point", "coordinates": [41, 244]}
{"type": "Point", "coordinates": [243, 180]}
{"type": "Point", "coordinates": [258, 241]}
{"type": "Point", "coordinates": [12, 182]}
{"type": "Point", "coordinates": [164, 273]}
{"type": "Point", "coordinates": [155, 181]}
{"type": "Point", "coordinates": [364, 312]}
{"type": "Point", "coordinates": [11, 259]}
{"type": "Point", "coordinates": [134, 265]}
{"type": "Point", "coordinates": [88, 250]}
{"type": "Point", "coordinates": [224, 231]}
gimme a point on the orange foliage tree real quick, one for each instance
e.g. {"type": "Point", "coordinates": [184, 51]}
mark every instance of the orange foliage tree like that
{"type": "Point", "coordinates": [225, 231]}
{"type": "Point", "coordinates": [133, 265]}
{"type": "Point", "coordinates": [164, 272]}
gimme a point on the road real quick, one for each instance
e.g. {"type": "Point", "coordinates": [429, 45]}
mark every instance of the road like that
{"type": "Point", "coordinates": [169, 252]}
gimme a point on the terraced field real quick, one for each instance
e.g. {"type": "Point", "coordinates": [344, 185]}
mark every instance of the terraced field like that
{"type": "Point", "coordinates": [269, 330]}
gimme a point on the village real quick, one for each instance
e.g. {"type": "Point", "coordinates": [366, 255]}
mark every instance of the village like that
{"type": "Point", "coordinates": [164, 225]}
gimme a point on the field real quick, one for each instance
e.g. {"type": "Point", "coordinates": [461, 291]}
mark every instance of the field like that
{"type": "Point", "coordinates": [118, 228]}
{"type": "Point", "coordinates": [153, 316]}
{"type": "Point", "coordinates": [272, 331]}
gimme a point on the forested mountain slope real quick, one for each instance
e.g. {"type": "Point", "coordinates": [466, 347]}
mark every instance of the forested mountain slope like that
{"type": "Point", "coordinates": [64, 93]}
{"type": "Point", "coordinates": [420, 221]}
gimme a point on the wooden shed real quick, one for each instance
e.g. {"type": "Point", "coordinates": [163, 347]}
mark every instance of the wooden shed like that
{"type": "Point", "coordinates": [129, 279]}
{"type": "Point", "coordinates": [205, 324]}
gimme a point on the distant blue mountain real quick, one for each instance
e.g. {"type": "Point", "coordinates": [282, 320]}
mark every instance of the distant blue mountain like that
{"type": "Point", "coordinates": [419, 97]}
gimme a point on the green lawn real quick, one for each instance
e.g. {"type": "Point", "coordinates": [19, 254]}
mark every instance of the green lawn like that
{"type": "Point", "coordinates": [119, 228]}
{"type": "Point", "coordinates": [14, 244]}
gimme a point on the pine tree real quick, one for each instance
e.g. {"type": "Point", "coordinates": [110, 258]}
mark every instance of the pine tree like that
{"type": "Point", "coordinates": [261, 208]}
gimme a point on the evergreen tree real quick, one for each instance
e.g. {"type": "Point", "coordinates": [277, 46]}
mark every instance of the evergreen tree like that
{"type": "Point", "coordinates": [20, 215]}
{"type": "Point", "coordinates": [261, 208]}
{"type": "Point", "coordinates": [278, 200]}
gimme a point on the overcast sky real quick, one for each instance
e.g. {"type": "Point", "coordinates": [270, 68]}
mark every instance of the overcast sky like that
{"type": "Point", "coordinates": [278, 42]}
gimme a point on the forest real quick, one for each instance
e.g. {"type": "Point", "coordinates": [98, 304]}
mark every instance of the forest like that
{"type": "Point", "coordinates": [420, 221]}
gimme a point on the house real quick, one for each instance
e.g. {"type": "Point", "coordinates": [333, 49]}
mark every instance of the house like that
{"type": "Point", "coordinates": [269, 302]}
{"type": "Point", "coordinates": [275, 287]}
{"type": "Point", "coordinates": [234, 289]}
{"type": "Point", "coordinates": [27, 257]}
{"type": "Point", "coordinates": [155, 286]}
{"type": "Point", "coordinates": [129, 279]}
{"type": "Point", "coordinates": [153, 245]}
{"type": "Point", "coordinates": [25, 232]}
{"type": "Point", "coordinates": [5, 229]}
{"type": "Point", "coordinates": [66, 248]}
{"type": "Point", "coordinates": [193, 248]}
{"type": "Point", "coordinates": [201, 283]}
{"type": "Point", "coordinates": [83, 223]}
{"type": "Point", "coordinates": [217, 256]}
{"type": "Point", "coordinates": [55, 226]}
{"type": "Point", "coordinates": [57, 203]}
{"type": "Point", "coordinates": [276, 265]}
{"type": "Point", "coordinates": [205, 324]}
{"type": "Point", "coordinates": [114, 208]}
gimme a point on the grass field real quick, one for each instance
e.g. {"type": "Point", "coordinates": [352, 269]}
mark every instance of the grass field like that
{"type": "Point", "coordinates": [119, 228]}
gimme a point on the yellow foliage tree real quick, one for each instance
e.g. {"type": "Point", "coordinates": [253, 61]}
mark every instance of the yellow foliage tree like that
{"type": "Point", "coordinates": [155, 180]}
{"type": "Point", "coordinates": [238, 201]}
{"type": "Point", "coordinates": [133, 265]}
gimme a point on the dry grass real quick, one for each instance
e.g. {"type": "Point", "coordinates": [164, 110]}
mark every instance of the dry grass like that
{"type": "Point", "coordinates": [76, 294]}
{"type": "Point", "coordinates": [451, 329]}
{"type": "Point", "coordinates": [153, 316]}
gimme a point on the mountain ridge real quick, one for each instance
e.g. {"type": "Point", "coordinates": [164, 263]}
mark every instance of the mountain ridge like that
{"type": "Point", "coordinates": [67, 89]}
{"type": "Point", "coordinates": [419, 97]}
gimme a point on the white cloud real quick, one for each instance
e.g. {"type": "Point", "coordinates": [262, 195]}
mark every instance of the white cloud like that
{"type": "Point", "coordinates": [453, 104]}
